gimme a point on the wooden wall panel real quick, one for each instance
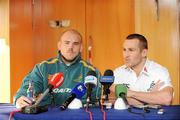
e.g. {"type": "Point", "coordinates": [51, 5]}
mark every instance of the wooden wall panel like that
{"type": "Point", "coordinates": [162, 34]}
{"type": "Point", "coordinates": [21, 43]}
{"type": "Point", "coordinates": [45, 37]}
{"type": "Point", "coordinates": [108, 23]}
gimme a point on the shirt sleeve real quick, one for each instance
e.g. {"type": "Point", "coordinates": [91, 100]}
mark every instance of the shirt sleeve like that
{"type": "Point", "coordinates": [165, 77]}
{"type": "Point", "coordinates": [36, 76]}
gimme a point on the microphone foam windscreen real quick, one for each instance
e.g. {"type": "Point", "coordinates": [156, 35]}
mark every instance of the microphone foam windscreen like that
{"type": "Point", "coordinates": [91, 79]}
{"type": "Point", "coordinates": [79, 90]}
{"type": "Point", "coordinates": [108, 73]}
{"type": "Point", "coordinates": [57, 80]}
{"type": "Point", "coordinates": [119, 89]}
{"type": "Point", "coordinates": [91, 72]}
{"type": "Point", "coordinates": [108, 77]}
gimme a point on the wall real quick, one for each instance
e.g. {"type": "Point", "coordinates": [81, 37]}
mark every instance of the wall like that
{"type": "Point", "coordinates": [107, 21]}
{"type": "Point", "coordinates": [162, 34]}
{"type": "Point", "coordinates": [45, 37]}
{"type": "Point", "coordinates": [103, 24]}
{"type": "Point", "coordinates": [4, 52]}
{"type": "Point", "coordinates": [21, 42]}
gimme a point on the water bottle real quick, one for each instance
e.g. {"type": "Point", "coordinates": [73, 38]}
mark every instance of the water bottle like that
{"type": "Point", "coordinates": [30, 90]}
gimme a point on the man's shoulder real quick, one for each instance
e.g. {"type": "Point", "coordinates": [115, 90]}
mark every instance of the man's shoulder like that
{"type": "Point", "coordinates": [46, 64]}
{"type": "Point", "coordinates": [121, 69]}
{"type": "Point", "coordinates": [155, 67]}
{"type": "Point", "coordinates": [49, 61]}
{"type": "Point", "coordinates": [87, 65]}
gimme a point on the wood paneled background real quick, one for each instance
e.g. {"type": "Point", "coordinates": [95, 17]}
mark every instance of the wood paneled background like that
{"type": "Point", "coordinates": [105, 23]}
{"type": "Point", "coordinates": [162, 31]}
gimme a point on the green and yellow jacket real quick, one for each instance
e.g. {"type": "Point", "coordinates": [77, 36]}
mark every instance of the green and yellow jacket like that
{"type": "Point", "coordinates": [73, 74]}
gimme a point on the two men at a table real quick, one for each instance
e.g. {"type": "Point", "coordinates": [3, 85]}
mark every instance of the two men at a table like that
{"type": "Point", "coordinates": [147, 81]}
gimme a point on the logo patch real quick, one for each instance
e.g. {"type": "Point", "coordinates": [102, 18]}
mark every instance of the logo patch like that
{"type": "Point", "coordinates": [62, 90]}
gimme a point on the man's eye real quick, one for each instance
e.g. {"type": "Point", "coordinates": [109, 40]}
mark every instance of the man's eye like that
{"type": "Point", "coordinates": [76, 43]}
{"type": "Point", "coordinates": [66, 43]}
{"type": "Point", "coordinates": [131, 49]}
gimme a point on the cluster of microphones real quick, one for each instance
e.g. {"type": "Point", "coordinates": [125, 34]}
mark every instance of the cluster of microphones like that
{"type": "Point", "coordinates": [80, 90]}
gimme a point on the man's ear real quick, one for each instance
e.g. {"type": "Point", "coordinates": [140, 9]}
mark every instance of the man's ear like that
{"type": "Point", "coordinates": [59, 45]}
{"type": "Point", "coordinates": [144, 52]}
{"type": "Point", "coordinates": [81, 48]}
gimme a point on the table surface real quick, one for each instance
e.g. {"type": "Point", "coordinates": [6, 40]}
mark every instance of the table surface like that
{"type": "Point", "coordinates": [54, 113]}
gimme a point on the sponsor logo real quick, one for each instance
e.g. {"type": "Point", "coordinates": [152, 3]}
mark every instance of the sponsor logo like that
{"type": "Point", "coordinates": [62, 90]}
{"type": "Point", "coordinates": [80, 88]}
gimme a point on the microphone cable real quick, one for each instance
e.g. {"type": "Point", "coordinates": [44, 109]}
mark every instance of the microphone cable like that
{"type": "Point", "coordinates": [89, 112]}
{"type": "Point", "coordinates": [144, 111]}
{"type": "Point", "coordinates": [102, 108]}
{"type": "Point", "coordinates": [12, 113]}
{"type": "Point", "coordinates": [104, 113]}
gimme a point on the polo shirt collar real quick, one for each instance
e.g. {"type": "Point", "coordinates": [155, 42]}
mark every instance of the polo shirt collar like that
{"type": "Point", "coordinates": [144, 70]}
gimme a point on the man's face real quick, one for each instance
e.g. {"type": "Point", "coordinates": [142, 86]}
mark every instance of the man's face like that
{"type": "Point", "coordinates": [132, 53]}
{"type": "Point", "coordinates": [70, 45]}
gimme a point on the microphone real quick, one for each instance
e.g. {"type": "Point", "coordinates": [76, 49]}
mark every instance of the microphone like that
{"type": "Point", "coordinates": [77, 92]}
{"type": "Point", "coordinates": [121, 91]}
{"type": "Point", "coordinates": [107, 81]}
{"type": "Point", "coordinates": [56, 81]}
{"type": "Point", "coordinates": [90, 82]}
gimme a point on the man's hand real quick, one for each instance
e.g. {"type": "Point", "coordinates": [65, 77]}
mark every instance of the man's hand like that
{"type": "Point", "coordinates": [22, 102]}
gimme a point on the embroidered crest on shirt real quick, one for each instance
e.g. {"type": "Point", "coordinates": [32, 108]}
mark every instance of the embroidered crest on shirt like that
{"type": "Point", "coordinates": [151, 86]}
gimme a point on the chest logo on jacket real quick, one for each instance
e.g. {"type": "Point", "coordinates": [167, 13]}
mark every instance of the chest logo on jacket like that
{"type": "Point", "coordinates": [62, 90]}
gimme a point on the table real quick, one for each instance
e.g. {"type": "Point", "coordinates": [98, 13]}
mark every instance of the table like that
{"type": "Point", "coordinates": [5, 109]}
{"type": "Point", "coordinates": [171, 113]}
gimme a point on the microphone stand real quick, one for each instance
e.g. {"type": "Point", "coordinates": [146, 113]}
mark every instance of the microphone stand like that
{"type": "Point", "coordinates": [105, 99]}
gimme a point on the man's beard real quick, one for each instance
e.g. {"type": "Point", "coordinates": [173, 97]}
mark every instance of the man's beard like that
{"type": "Point", "coordinates": [69, 61]}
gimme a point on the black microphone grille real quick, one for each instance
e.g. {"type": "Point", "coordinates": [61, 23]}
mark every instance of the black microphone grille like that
{"type": "Point", "coordinates": [108, 72]}
{"type": "Point", "coordinates": [91, 72]}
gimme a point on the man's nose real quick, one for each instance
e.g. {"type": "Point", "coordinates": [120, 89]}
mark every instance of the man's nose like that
{"type": "Point", "coordinates": [70, 47]}
{"type": "Point", "coordinates": [126, 54]}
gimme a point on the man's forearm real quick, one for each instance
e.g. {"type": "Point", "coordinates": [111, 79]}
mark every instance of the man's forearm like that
{"type": "Point", "coordinates": [162, 97]}
{"type": "Point", "coordinates": [134, 102]}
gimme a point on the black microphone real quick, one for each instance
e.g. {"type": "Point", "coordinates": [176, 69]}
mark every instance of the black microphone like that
{"type": "Point", "coordinates": [78, 92]}
{"type": "Point", "coordinates": [90, 82]}
{"type": "Point", "coordinates": [107, 80]}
